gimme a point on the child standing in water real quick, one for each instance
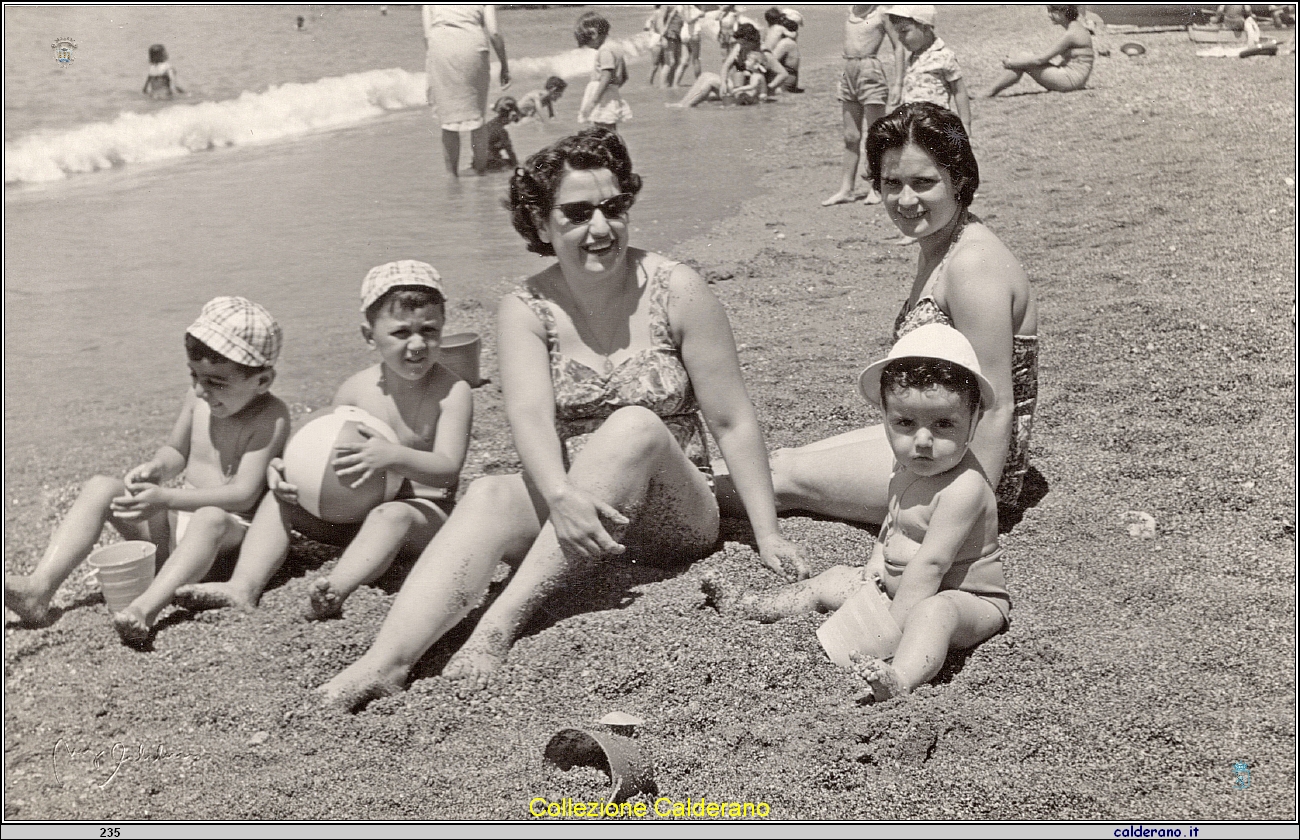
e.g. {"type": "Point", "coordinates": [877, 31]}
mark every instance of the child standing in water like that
{"type": "Point", "coordinates": [161, 82]}
{"type": "Point", "coordinates": [229, 429]}
{"type": "Point", "coordinates": [938, 553]}
{"type": "Point", "coordinates": [501, 152]}
{"type": "Point", "coordinates": [602, 103]}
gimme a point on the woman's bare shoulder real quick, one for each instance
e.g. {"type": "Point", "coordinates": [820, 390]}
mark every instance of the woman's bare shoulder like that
{"type": "Point", "coordinates": [982, 257]}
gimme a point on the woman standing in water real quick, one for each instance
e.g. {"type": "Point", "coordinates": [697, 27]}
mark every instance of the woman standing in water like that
{"type": "Point", "coordinates": [458, 72]}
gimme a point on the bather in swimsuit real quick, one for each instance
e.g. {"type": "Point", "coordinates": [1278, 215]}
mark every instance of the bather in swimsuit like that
{"type": "Point", "coordinates": [980, 576]}
{"type": "Point", "coordinates": [1024, 388]}
{"type": "Point", "coordinates": [653, 378]}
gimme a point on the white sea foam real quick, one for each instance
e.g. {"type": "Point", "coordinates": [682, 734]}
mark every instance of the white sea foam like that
{"type": "Point", "coordinates": [577, 62]}
{"type": "Point", "coordinates": [281, 112]}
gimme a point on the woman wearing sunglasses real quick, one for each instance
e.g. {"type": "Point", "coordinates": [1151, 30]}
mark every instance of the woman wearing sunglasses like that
{"type": "Point", "coordinates": [612, 361]}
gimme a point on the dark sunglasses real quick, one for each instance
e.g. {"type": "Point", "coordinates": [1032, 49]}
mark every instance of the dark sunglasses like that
{"type": "Point", "coordinates": [580, 212]}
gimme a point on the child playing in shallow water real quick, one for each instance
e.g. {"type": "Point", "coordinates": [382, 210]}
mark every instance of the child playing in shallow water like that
{"type": "Point", "coordinates": [430, 409]}
{"type": "Point", "coordinates": [161, 82]}
{"type": "Point", "coordinates": [501, 152]}
{"type": "Point", "coordinates": [937, 553]}
{"type": "Point", "coordinates": [228, 430]}
{"type": "Point", "coordinates": [532, 103]}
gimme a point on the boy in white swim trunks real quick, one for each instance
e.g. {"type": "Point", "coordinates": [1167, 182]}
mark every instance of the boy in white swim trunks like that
{"type": "Point", "coordinates": [937, 555]}
{"type": "Point", "coordinates": [228, 430]}
{"type": "Point", "coordinates": [429, 407]}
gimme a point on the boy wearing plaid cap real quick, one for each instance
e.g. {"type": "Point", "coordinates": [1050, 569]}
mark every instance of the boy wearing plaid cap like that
{"type": "Point", "coordinates": [430, 409]}
{"type": "Point", "coordinates": [229, 429]}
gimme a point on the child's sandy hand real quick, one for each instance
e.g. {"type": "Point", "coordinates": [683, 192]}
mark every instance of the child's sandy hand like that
{"type": "Point", "coordinates": [783, 557]}
{"type": "Point", "coordinates": [357, 462]}
{"type": "Point", "coordinates": [283, 490]}
{"type": "Point", "coordinates": [142, 476]}
{"type": "Point", "coordinates": [143, 502]}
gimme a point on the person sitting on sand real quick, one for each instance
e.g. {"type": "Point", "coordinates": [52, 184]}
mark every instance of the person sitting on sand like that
{"type": "Point", "coordinates": [923, 165]}
{"type": "Point", "coordinates": [748, 85]}
{"type": "Point", "coordinates": [430, 409]}
{"type": "Point", "coordinates": [229, 428]}
{"type": "Point", "coordinates": [781, 48]}
{"type": "Point", "coordinates": [937, 554]}
{"type": "Point", "coordinates": [501, 152]}
{"type": "Point", "coordinates": [1063, 68]}
{"type": "Point", "coordinates": [612, 360]}
{"type": "Point", "coordinates": [532, 103]}
{"type": "Point", "coordinates": [161, 82]}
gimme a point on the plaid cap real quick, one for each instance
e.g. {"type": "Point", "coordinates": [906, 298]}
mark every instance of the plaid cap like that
{"type": "Point", "coordinates": [380, 279]}
{"type": "Point", "coordinates": [240, 330]}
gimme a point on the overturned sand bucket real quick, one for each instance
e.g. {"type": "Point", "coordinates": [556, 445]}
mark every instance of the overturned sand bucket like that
{"type": "Point", "coordinates": [629, 773]}
{"type": "Point", "coordinates": [862, 625]}
{"type": "Point", "coordinates": [125, 571]}
{"type": "Point", "coordinates": [460, 353]}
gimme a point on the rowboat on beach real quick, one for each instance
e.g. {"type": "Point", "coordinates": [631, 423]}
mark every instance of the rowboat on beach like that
{"type": "Point", "coordinates": [1150, 14]}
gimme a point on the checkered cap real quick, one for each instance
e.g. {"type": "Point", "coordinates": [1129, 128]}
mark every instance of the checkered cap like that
{"type": "Point", "coordinates": [380, 279]}
{"type": "Point", "coordinates": [240, 330]}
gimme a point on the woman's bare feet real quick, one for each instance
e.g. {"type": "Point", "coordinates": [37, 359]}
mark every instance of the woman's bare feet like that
{"type": "Point", "coordinates": [212, 596]}
{"type": "Point", "coordinates": [478, 659]}
{"type": "Point", "coordinates": [132, 627]}
{"type": "Point", "coordinates": [883, 680]}
{"type": "Point", "coordinates": [30, 605]}
{"type": "Point", "coordinates": [326, 601]}
{"type": "Point", "coordinates": [359, 684]}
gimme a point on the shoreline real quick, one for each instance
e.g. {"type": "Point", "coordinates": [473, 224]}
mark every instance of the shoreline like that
{"type": "Point", "coordinates": [1159, 234]}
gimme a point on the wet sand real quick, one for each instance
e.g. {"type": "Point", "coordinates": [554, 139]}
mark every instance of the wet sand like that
{"type": "Point", "coordinates": [1155, 214]}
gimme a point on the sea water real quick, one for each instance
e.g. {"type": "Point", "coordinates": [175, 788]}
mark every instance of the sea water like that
{"type": "Point", "coordinates": [297, 161]}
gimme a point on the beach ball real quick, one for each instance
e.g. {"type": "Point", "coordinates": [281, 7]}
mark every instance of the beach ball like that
{"type": "Point", "coordinates": [307, 464]}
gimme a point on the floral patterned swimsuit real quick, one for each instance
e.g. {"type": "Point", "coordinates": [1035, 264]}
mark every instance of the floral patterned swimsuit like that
{"type": "Point", "coordinates": [1024, 387]}
{"type": "Point", "coordinates": [653, 378]}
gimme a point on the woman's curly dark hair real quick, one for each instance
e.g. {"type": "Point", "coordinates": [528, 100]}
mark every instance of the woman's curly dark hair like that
{"type": "Point", "coordinates": [935, 129]}
{"type": "Point", "coordinates": [533, 186]}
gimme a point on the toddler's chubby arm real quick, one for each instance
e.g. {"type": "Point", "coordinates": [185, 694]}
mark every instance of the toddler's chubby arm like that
{"type": "Point", "coordinates": [438, 467]}
{"type": "Point", "coordinates": [265, 433]}
{"type": "Point", "coordinates": [956, 512]}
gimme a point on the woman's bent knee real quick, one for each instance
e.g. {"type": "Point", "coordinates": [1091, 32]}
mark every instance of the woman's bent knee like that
{"type": "Point", "coordinates": [638, 432]}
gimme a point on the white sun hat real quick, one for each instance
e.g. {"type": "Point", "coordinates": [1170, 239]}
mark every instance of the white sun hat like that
{"type": "Point", "coordinates": [932, 341]}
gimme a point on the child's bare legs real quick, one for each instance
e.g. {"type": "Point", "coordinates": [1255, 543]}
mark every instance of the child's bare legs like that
{"type": "Point", "coordinates": [391, 528]}
{"type": "Point", "coordinates": [498, 519]}
{"type": "Point", "coordinates": [826, 592]}
{"type": "Point", "coordinates": [948, 620]}
{"type": "Point", "coordinates": [634, 464]}
{"type": "Point", "coordinates": [29, 595]}
{"type": "Point", "coordinates": [705, 86]}
{"type": "Point", "coordinates": [856, 115]}
{"type": "Point", "coordinates": [264, 549]}
{"type": "Point", "coordinates": [211, 531]}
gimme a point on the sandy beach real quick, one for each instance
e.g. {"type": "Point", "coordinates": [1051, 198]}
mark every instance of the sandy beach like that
{"type": "Point", "coordinates": [1155, 215]}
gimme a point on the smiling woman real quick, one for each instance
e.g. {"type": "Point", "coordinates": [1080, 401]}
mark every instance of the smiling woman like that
{"type": "Point", "coordinates": [612, 359]}
{"type": "Point", "coordinates": [965, 278]}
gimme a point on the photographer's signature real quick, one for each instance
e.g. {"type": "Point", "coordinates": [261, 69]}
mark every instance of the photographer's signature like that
{"type": "Point", "coordinates": [112, 760]}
